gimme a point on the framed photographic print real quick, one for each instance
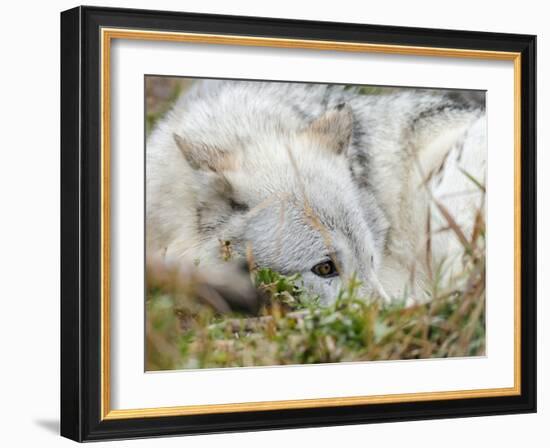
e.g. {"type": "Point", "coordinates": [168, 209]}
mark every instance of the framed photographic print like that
{"type": "Point", "coordinates": [273, 223]}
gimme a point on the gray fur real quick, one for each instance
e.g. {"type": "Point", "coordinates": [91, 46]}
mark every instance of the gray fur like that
{"type": "Point", "coordinates": [291, 174]}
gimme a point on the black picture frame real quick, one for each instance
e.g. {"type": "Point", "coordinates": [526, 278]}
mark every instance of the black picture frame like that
{"type": "Point", "coordinates": [81, 224]}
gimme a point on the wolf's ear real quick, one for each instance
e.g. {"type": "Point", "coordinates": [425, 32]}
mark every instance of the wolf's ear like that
{"type": "Point", "coordinates": [203, 157]}
{"type": "Point", "coordinates": [188, 152]}
{"type": "Point", "coordinates": [334, 128]}
{"type": "Point", "coordinates": [215, 192]}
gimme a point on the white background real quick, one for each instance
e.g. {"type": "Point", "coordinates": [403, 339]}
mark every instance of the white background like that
{"type": "Point", "coordinates": [132, 388]}
{"type": "Point", "coordinates": [29, 236]}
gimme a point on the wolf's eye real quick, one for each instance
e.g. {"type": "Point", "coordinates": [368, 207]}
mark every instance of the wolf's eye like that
{"type": "Point", "coordinates": [325, 269]}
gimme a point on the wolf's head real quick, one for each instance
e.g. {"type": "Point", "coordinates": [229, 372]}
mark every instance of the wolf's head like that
{"type": "Point", "coordinates": [286, 199]}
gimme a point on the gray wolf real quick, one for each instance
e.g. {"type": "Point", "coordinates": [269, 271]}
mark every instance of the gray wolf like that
{"type": "Point", "coordinates": [317, 179]}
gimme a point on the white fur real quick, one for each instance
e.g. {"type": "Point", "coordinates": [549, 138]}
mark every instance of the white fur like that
{"type": "Point", "coordinates": [290, 174]}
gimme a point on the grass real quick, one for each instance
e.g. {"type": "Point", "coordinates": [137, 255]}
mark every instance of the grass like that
{"type": "Point", "coordinates": [291, 328]}
{"type": "Point", "coordinates": [160, 94]}
{"type": "Point", "coordinates": [186, 331]}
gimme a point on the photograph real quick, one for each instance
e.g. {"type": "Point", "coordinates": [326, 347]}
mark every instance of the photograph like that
{"type": "Point", "coordinates": [292, 223]}
{"type": "Point", "coordinates": [273, 223]}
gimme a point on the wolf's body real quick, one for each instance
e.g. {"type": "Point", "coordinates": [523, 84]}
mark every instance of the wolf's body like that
{"type": "Point", "coordinates": [293, 175]}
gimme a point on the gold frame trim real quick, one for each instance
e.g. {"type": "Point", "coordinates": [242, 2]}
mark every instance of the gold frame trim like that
{"type": "Point", "coordinates": [107, 35]}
